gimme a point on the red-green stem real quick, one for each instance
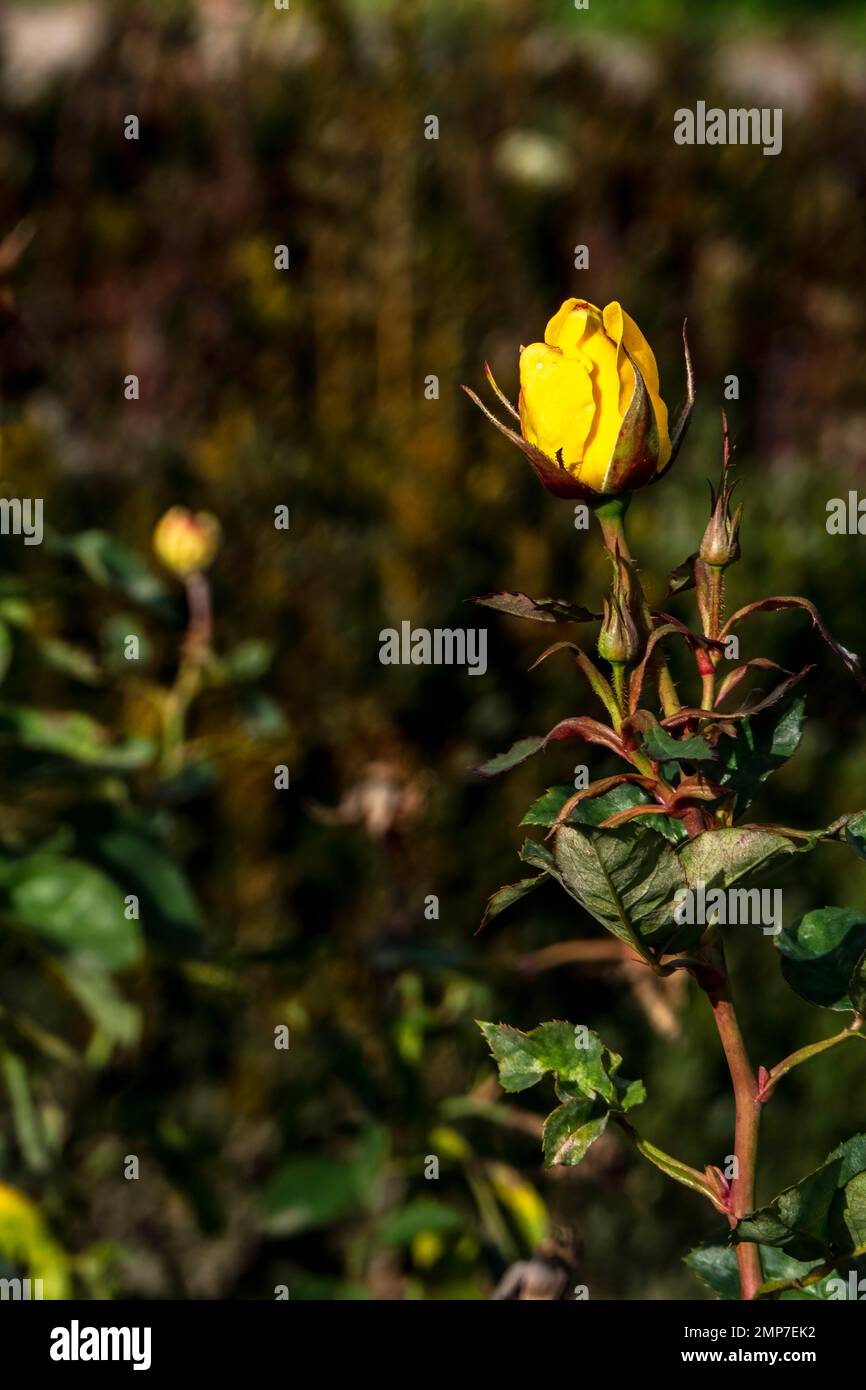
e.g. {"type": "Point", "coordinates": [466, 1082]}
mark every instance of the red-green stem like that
{"type": "Point", "coordinates": [805, 1054]}
{"type": "Point", "coordinates": [747, 1120]}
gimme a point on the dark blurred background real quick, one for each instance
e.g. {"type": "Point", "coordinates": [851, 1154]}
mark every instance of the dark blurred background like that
{"type": "Point", "coordinates": [409, 257]}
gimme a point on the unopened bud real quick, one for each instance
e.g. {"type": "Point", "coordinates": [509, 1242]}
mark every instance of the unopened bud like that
{"type": "Point", "coordinates": [720, 546]}
{"type": "Point", "coordinates": [619, 640]}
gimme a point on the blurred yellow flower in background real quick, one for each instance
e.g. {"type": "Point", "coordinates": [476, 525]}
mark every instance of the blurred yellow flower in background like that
{"type": "Point", "coordinates": [186, 542]}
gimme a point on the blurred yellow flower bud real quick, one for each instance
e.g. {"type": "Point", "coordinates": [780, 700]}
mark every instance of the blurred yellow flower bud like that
{"type": "Point", "coordinates": [185, 542]}
{"type": "Point", "coordinates": [592, 422]}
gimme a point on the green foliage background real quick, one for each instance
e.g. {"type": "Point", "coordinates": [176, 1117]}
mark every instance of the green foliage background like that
{"type": "Point", "coordinates": [305, 1168]}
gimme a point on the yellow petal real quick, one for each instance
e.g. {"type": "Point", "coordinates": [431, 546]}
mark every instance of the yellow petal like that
{"type": "Point", "coordinates": [570, 325]}
{"type": "Point", "coordinates": [607, 418]}
{"type": "Point", "coordinates": [556, 402]}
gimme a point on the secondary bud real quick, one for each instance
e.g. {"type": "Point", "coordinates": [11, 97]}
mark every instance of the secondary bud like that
{"type": "Point", "coordinates": [720, 546]}
{"type": "Point", "coordinates": [622, 638]}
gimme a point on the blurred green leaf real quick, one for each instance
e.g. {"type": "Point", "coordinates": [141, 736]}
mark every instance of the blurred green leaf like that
{"type": "Point", "coordinates": [416, 1218]}
{"type": "Point", "coordinates": [249, 660]}
{"type": "Point", "coordinates": [70, 660]}
{"type": "Point", "coordinates": [73, 735]}
{"type": "Point", "coordinates": [132, 852]}
{"type": "Point", "coordinates": [262, 716]}
{"type": "Point", "coordinates": [73, 906]}
{"type": "Point", "coordinates": [29, 1130]}
{"type": "Point", "coordinates": [308, 1192]}
{"type": "Point", "coordinates": [113, 565]}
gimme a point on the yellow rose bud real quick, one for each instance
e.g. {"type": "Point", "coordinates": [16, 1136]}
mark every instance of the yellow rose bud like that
{"type": "Point", "coordinates": [186, 543]}
{"type": "Point", "coordinates": [592, 422]}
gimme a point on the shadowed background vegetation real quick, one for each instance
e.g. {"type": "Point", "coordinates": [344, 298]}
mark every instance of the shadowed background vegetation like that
{"type": "Point", "coordinates": [259, 907]}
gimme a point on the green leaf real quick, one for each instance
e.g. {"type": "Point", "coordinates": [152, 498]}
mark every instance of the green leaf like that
{"type": "Point", "coordinates": [70, 660]}
{"type": "Point", "coordinates": [716, 1266]}
{"type": "Point", "coordinates": [627, 880]}
{"type": "Point", "coordinates": [548, 806]}
{"type": "Point", "coordinates": [417, 1218]}
{"type": "Point", "coordinates": [762, 744]}
{"type": "Point", "coordinates": [721, 858]}
{"type": "Point", "coordinates": [596, 809]}
{"type": "Point", "coordinates": [574, 1055]}
{"type": "Point", "coordinates": [683, 577]}
{"type": "Point", "coordinates": [310, 1192]}
{"type": "Point", "coordinates": [538, 855]}
{"type": "Point", "coordinates": [823, 1215]}
{"type": "Point", "coordinates": [72, 735]}
{"type": "Point", "coordinates": [73, 906]}
{"type": "Point", "coordinates": [506, 895]}
{"type": "Point", "coordinates": [517, 753]}
{"type": "Point", "coordinates": [855, 834]}
{"type": "Point", "coordinates": [569, 1131]}
{"type": "Point", "coordinates": [857, 986]}
{"type": "Point", "coordinates": [821, 954]}
{"type": "Point", "coordinates": [542, 610]}
{"type": "Point", "coordinates": [628, 1093]}
{"type": "Point", "coordinates": [659, 745]}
